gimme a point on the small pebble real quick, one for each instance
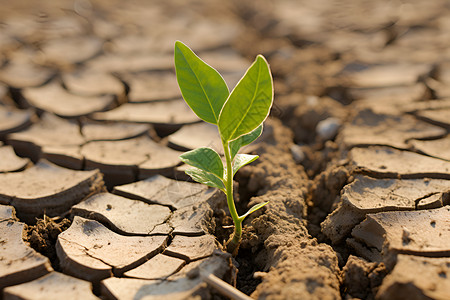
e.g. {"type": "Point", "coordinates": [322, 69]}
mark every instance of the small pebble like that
{"type": "Point", "coordinates": [312, 100]}
{"type": "Point", "coordinates": [406, 235]}
{"type": "Point", "coordinates": [297, 153]}
{"type": "Point", "coordinates": [259, 275]}
{"type": "Point", "coordinates": [328, 128]}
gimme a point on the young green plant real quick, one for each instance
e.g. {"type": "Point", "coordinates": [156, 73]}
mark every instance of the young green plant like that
{"type": "Point", "coordinates": [239, 116]}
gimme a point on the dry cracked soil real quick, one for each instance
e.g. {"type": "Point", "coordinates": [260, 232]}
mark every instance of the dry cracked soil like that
{"type": "Point", "coordinates": [354, 159]}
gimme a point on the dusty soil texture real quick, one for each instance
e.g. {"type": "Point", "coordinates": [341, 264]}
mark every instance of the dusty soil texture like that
{"type": "Point", "coordinates": [354, 157]}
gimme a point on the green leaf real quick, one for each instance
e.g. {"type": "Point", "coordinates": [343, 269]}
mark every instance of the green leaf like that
{"type": "Point", "coordinates": [202, 87]}
{"type": "Point", "coordinates": [205, 178]}
{"type": "Point", "coordinates": [253, 209]}
{"type": "Point", "coordinates": [249, 103]}
{"type": "Point", "coordinates": [241, 160]}
{"type": "Point", "coordinates": [205, 159]}
{"type": "Point", "coordinates": [244, 140]}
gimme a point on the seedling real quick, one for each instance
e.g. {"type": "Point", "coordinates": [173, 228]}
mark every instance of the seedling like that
{"type": "Point", "coordinates": [239, 116]}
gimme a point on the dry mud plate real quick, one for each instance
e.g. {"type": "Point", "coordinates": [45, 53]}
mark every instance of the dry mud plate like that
{"type": "Point", "coordinates": [354, 158]}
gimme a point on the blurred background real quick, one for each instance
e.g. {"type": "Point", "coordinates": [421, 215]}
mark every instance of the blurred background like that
{"type": "Point", "coordinates": [317, 49]}
{"type": "Point", "coordinates": [297, 36]}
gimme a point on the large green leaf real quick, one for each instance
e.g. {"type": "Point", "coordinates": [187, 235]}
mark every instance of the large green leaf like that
{"type": "Point", "coordinates": [244, 140]}
{"type": "Point", "coordinates": [205, 178]}
{"type": "Point", "coordinates": [205, 159]}
{"type": "Point", "coordinates": [202, 87]}
{"type": "Point", "coordinates": [253, 209]}
{"type": "Point", "coordinates": [241, 160]}
{"type": "Point", "coordinates": [249, 103]}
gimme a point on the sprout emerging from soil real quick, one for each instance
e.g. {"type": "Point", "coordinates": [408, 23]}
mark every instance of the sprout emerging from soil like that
{"type": "Point", "coordinates": [239, 116]}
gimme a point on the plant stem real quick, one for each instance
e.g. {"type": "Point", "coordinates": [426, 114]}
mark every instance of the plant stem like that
{"type": "Point", "coordinates": [232, 244]}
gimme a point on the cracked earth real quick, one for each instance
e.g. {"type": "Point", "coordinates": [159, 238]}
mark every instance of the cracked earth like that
{"type": "Point", "coordinates": [354, 158]}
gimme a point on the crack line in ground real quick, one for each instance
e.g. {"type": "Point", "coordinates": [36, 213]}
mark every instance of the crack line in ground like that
{"type": "Point", "coordinates": [417, 201]}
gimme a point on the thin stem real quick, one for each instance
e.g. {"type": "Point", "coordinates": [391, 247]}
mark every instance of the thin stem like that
{"type": "Point", "coordinates": [233, 243]}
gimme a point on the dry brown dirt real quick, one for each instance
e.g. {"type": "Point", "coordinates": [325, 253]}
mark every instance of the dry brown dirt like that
{"type": "Point", "coordinates": [354, 158]}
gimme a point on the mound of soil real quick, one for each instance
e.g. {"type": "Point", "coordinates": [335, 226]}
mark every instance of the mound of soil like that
{"type": "Point", "coordinates": [354, 158]}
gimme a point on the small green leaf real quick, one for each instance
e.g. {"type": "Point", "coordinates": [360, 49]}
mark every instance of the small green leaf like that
{"type": "Point", "coordinates": [253, 209]}
{"type": "Point", "coordinates": [244, 140]}
{"type": "Point", "coordinates": [202, 87]}
{"type": "Point", "coordinates": [205, 159]}
{"type": "Point", "coordinates": [205, 178]}
{"type": "Point", "coordinates": [249, 103]}
{"type": "Point", "coordinates": [241, 160]}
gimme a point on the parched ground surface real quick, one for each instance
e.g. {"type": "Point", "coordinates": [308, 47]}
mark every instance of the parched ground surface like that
{"type": "Point", "coordinates": [354, 159]}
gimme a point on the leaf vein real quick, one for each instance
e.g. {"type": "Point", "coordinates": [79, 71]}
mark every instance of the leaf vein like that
{"type": "Point", "coordinates": [251, 103]}
{"type": "Point", "coordinates": [203, 90]}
